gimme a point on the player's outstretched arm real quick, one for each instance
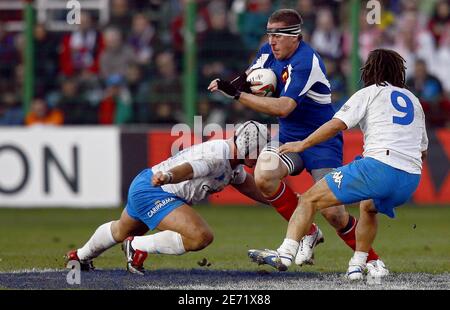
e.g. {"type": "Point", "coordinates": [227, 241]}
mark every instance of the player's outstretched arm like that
{"type": "Point", "coordinates": [323, 133]}
{"type": "Point", "coordinates": [177, 174]}
{"type": "Point", "coordinates": [280, 107]}
{"type": "Point", "coordinates": [249, 189]}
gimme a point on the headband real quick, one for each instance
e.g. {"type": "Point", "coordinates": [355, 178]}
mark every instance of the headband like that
{"type": "Point", "coordinates": [291, 31]}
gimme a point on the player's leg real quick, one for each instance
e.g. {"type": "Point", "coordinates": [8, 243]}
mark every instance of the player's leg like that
{"type": "Point", "coordinates": [391, 188]}
{"type": "Point", "coordinates": [366, 230]}
{"type": "Point", "coordinates": [127, 226]}
{"type": "Point", "coordinates": [111, 233]}
{"type": "Point", "coordinates": [358, 181]}
{"type": "Point", "coordinates": [337, 216]}
{"type": "Point", "coordinates": [271, 168]}
{"type": "Point", "coordinates": [343, 222]}
{"type": "Point", "coordinates": [269, 173]}
{"type": "Point", "coordinates": [181, 230]}
{"type": "Point", "coordinates": [318, 197]}
{"type": "Point", "coordinates": [315, 199]}
{"type": "Point", "coordinates": [348, 184]}
{"type": "Point", "coordinates": [106, 236]}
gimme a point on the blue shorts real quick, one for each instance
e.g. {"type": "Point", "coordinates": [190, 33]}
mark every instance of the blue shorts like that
{"type": "Point", "coordinates": [368, 178]}
{"type": "Point", "coordinates": [148, 203]}
{"type": "Point", "coordinates": [324, 155]}
{"type": "Point", "coordinates": [321, 156]}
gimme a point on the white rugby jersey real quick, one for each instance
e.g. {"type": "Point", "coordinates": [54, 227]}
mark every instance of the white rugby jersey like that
{"type": "Point", "coordinates": [393, 124]}
{"type": "Point", "coordinates": [211, 167]}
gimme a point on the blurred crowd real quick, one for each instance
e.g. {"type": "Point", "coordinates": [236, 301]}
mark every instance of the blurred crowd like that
{"type": "Point", "coordinates": [129, 71]}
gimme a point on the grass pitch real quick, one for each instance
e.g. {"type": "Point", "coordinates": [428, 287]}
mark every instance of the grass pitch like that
{"type": "Point", "coordinates": [417, 241]}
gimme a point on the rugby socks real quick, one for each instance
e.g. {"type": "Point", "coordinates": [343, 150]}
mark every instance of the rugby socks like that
{"type": "Point", "coordinates": [359, 258]}
{"type": "Point", "coordinates": [101, 240]}
{"type": "Point", "coordinates": [165, 242]}
{"type": "Point", "coordinates": [313, 229]}
{"type": "Point", "coordinates": [348, 234]}
{"type": "Point", "coordinates": [287, 251]}
{"type": "Point", "coordinates": [284, 201]}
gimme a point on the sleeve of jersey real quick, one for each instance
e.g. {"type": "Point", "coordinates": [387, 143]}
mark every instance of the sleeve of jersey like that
{"type": "Point", "coordinates": [296, 84]}
{"type": "Point", "coordinates": [261, 57]}
{"type": "Point", "coordinates": [239, 176]}
{"type": "Point", "coordinates": [353, 111]}
{"type": "Point", "coordinates": [424, 142]}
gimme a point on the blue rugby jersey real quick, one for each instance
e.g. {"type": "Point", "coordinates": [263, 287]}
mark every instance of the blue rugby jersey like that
{"type": "Point", "coordinates": [301, 77]}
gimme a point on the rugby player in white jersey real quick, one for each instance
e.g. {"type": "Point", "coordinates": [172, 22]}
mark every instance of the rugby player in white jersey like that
{"type": "Point", "coordinates": [161, 198]}
{"type": "Point", "coordinates": [395, 143]}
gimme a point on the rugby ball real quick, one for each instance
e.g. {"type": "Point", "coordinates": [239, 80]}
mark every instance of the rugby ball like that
{"type": "Point", "coordinates": [268, 79]}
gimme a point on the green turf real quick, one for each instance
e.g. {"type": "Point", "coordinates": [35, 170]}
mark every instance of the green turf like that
{"type": "Point", "coordinates": [418, 240]}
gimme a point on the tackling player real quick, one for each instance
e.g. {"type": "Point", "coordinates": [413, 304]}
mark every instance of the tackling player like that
{"type": "Point", "coordinates": [160, 198]}
{"type": "Point", "coordinates": [395, 144]}
{"type": "Point", "coordinates": [302, 105]}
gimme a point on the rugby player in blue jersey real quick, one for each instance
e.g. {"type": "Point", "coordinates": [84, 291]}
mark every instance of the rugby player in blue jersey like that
{"type": "Point", "coordinates": [302, 103]}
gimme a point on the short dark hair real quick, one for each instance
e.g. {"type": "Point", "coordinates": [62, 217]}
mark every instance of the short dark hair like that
{"type": "Point", "coordinates": [289, 17]}
{"type": "Point", "coordinates": [383, 66]}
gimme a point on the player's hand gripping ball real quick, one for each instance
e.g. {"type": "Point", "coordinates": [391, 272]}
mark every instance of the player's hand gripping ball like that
{"type": "Point", "coordinates": [264, 82]}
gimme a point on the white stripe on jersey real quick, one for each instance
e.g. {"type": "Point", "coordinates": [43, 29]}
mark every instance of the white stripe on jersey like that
{"type": "Point", "coordinates": [288, 81]}
{"type": "Point", "coordinates": [260, 62]}
{"type": "Point", "coordinates": [316, 75]}
{"type": "Point", "coordinates": [319, 98]}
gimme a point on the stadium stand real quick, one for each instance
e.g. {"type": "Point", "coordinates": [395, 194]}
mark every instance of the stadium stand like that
{"type": "Point", "coordinates": [118, 65]}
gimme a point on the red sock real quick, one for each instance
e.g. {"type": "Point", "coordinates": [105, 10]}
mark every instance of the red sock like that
{"type": "Point", "coordinates": [284, 200]}
{"type": "Point", "coordinates": [312, 229]}
{"type": "Point", "coordinates": [349, 237]}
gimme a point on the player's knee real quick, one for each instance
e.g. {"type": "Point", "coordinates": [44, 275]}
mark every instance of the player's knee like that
{"type": "Point", "coordinates": [207, 238]}
{"type": "Point", "coordinates": [268, 172]}
{"type": "Point", "coordinates": [310, 200]}
{"type": "Point", "coordinates": [266, 183]}
{"type": "Point", "coordinates": [119, 237]}
{"type": "Point", "coordinates": [202, 238]}
{"type": "Point", "coordinates": [118, 232]}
